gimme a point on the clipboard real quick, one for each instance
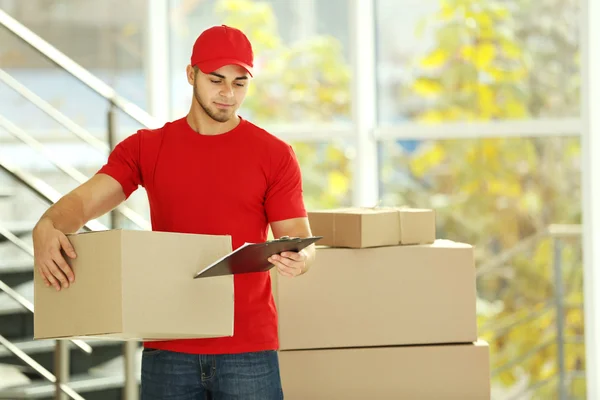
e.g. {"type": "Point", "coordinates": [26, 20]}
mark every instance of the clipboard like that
{"type": "Point", "coordinates": [253, 257]}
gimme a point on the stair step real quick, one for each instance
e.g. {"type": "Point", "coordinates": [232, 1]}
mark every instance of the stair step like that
{"type": "Point", "coordinates": [17, 228]}
{"type": "Point", "coordinates": [4, 192]}
{"type": "Point", "coordinates": [16, 322]}
{"type": "Point", "coordinates": [9, 306]}
{"type": "Point", "coordinates": [16, 266]}
{"type": "Point", "coordinates": [89, 386]}
{"type": "Point", "coordinates": [101, 361]}
{"type": "Point", "coordinates": [11, 376]}
{"type": "Point", "coordinates": [17, 272]}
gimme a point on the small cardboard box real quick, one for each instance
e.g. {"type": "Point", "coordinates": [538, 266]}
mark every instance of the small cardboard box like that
{"type": "Point", "coordinates": [373, 227]}
{"type": "Point", "coordinates": [385, 296]}
{"type": "Point", "coordinates": [138, 285]}
{"type": "Point", "coordinates": [458, 372]}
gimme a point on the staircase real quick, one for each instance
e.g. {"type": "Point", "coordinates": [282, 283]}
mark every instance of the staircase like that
{"type": "Point", "coordinates": [35, 170]}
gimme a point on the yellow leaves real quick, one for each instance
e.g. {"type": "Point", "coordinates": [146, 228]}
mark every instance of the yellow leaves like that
{"type": "Point", "coordinates": [427, 87]}
{"type": "Point", "coordinates": [507, 75]}
{"type": "Point", "coordinates": [431, 116]}
{"type": "Point", "coordinates": [515, 109]}
{"type": "Point", "coordinates": [467, 52]}
{"type": "Point", "coordinates": [499, 187]}
{"type": "Point", "coordinates": [435, 58]}
{"type": "Point", "coordinates": [446, 10]}
{"type": "Point", "coordinates": [339, 183]}
{"type": "Point", "coordinates": [335, 155]}
{"type": "Point", "coordinates": [307, 80]}
{"type": "Point", "coordinates": [326, 174]}
{"type": "Point", "coordinates": [530, 203]}
{"type": "Point", "coordinates": [481, 20]}
{"type": "Point", "coordinates": [484, 54]}
{"type": "Point", "coordinates": [542, 258]}
{"type": "Point", "coordinates": [487, 103]}
{"type": "Point", "coordinates": [575, 317]}
{"type": "Point", "coordinates": [256, 19]}
{"type": "Point", "coordinates": [480, 55]}
{"type": "Point", "coordinates": [430, 158]}
{"type": "Point", "coordinates": [490, 150]}
{"type": "Point", "coordinates": [511, 49]}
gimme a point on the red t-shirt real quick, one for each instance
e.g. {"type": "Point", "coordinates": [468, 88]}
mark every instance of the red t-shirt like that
{"type": "Point", "coordinates": [235, 183]}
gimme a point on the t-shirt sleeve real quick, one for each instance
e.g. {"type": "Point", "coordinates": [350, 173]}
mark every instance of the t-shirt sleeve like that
{"type": "Point", "coordinates": [123, 164]}
{"type": "Point", "coordinates": [284, 198]}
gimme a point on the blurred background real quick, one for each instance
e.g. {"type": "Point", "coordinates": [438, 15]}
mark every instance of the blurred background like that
{"type": "Point", "coordinates": [470, 107]}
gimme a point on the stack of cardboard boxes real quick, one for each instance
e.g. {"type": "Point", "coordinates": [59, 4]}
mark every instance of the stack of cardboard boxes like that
{"type": "Point", "coordinates": [386, 312]}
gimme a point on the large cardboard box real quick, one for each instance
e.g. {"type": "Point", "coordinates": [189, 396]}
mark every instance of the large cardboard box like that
{"type": "Point", "coordinates": [373, 227]}
{"type": "Point", "coordinates": [393, 295]}
{"type": "Point", "coordinates": [138, 285]}
{"type": "Point", "coordinates": [449, 372]}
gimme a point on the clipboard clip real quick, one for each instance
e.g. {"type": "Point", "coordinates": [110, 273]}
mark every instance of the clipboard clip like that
{"type": "Point", "coordinates": [285, 239]}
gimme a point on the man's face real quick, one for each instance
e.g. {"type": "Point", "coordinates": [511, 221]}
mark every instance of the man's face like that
{"type": "Point", "coordinates": [222, 92]}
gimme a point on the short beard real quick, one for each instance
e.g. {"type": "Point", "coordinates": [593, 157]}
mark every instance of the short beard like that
{"type": "Point", "coordinates": [217, 117]}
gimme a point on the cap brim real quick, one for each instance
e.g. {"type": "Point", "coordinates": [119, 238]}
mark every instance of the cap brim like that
{"type": "Point", "coordinates": [211, 66]}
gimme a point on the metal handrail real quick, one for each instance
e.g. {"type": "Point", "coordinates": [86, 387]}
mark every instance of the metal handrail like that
{"type": "Point", "coordinates": [55, 56]}
{"type": "Point", "coordinates": [554, 230]}
{"type": "Point", "coordinates": [53, 113]}
{"type": "Point", "coordinates": [72, 172]}
{"type": "Point", "coordinates": [17, 296]}
{"type": "Point", "coordinates": [43, 190]}
{"type": "Point", "coordinates": [557, 232]}
{"type": "Point", "coordinates": [38, 367]}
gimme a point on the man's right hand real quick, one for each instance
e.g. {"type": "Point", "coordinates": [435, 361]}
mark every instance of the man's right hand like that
{"type": "Point", "coordinates": [49, 261]}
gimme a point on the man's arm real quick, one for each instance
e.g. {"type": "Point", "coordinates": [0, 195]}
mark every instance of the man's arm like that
{"type": "Point", "coordinates": [291, 263]}
{"type": "Point", "coordinates": [91, 200]}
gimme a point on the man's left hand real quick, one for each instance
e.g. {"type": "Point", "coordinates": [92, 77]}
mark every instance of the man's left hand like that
{"type": "Point", "coordinates": [290, 263]}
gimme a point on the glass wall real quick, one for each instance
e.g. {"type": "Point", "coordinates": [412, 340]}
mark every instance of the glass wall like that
{"type": "Point", "coordinates": [477, 60]}
{"type": "Point", "coordinates": [446, 62]}
{"type": "Point", "coordinates": [301, 47]}
{"type": "Point", "coordinates": [110, 45]}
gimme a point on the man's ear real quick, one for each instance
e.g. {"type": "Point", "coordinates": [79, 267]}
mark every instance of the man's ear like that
{"type": "Point", "coordinates": [191, 74]}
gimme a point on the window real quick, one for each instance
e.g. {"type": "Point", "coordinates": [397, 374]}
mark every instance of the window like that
{"type": "Point", "coordinates": [473, 60]}
{"type": "Point", "coordinates": [301, 55]}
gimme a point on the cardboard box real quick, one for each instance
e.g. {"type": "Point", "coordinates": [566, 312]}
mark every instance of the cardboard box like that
{"type": "Point", "coordinates": [459, 372]}
{"type": "Point", "coordinates": [373, 227]}
{"type": "Point", "coordinates": [138, 285]}
{"type": "Point", "coordinates": [395, 295]}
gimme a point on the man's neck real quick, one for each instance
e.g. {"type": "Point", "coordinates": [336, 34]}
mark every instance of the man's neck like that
{"type": "Point", "coordinates": [200, 122]}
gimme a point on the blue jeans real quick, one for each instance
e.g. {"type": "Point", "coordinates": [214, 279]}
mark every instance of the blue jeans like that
{"type": "Point", "coordinates": [248, 376]}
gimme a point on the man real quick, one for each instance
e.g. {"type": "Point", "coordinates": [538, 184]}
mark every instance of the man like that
{"type": "Point", "coordinates": [211, 172]}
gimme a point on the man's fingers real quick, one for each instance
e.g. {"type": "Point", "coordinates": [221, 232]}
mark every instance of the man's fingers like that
{"type": "Point", "coordinates": [48, 274]}
{"type": "Point", "coordinates": [284, 260]}
{"type": "Point", "coordinates": [285, 269]}
{"type": "Point", "coordinates": [67, 246]}
{"type": "Point", "coordinates": [292, 255]}
{"type": "Point", "coordinates": [64, 267]}
{"type": "Point", "coordinates": [57, 274]}
{"type": "Point", "coordinates": [43, 276]}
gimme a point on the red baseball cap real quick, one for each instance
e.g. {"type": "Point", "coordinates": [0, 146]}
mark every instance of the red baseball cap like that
{"type": "Point", "coordinates": [222, 45]}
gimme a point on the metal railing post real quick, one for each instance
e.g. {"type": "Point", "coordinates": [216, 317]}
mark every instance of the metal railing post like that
{"type": "Point", "coordinates": [61, 368]}
{"type": "Point", "coordinates": [560, 318]}
{"type": "Point", "coordinates": [130, 389]}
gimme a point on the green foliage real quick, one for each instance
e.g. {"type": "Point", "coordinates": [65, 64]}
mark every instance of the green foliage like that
{"type": "Point", "coordinates": [489, 63]}
{"type": "Point", "coordinates": [306, 81]}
